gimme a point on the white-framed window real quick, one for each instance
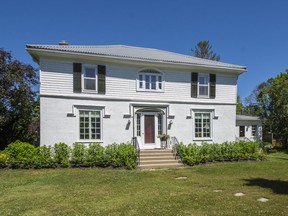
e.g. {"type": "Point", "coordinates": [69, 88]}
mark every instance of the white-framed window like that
{"type": "Point", "coordinates": [90, 125]}
{"type": "Point", "coordinates": [202, 125]}
{"type": "Point", "coordinates": [254, 130]}
{"type": "Point", "coordinates": [160, 123]}
{"type": "Point", "coordinates": [203, 85]}
{"type": "Point", "coordinates": [138, 124]}
{"type": "Point", "coordinates": [89, 78]}
{"type": "Point", "coordinates": [150, 80]}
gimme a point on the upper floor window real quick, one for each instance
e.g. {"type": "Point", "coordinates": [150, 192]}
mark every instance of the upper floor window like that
{"type": "Point", "coordinates": [203, 86]}
{"type": "Point", "coordinates": [90, 78]}
{"type": "Point", "coordinates": [150, 80]}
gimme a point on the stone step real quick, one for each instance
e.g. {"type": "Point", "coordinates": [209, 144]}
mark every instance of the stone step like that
{"type": "Point", "coordinates": [156, 155]}
{"type": "Point", "coordinates": [153, 157]}
{"type": "Point", "coordinates": [158, 158]}
{"type": "Point", "coordinates": [170, 161]}
{"type": "Point", "coordinates": [156, 151]}
{"type": "Point", "coordinates": [159, 166]}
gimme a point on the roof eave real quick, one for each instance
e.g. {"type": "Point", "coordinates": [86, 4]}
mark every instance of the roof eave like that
{"type": "Point", "coordinates": [36, 53]}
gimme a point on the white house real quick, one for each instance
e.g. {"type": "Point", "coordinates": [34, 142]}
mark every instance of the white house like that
{"type": "Point", "coordinates": [110, 94]}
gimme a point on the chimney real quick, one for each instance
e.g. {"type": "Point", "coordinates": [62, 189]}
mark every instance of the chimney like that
{"type": "Point", "coordinates": [63, 43]}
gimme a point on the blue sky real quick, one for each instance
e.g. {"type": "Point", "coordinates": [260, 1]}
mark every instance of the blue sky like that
{"type": "Point", "coordinates": [250, 33]}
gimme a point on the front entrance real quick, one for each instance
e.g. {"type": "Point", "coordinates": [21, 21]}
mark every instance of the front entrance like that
{"type": "Point", "coordinates": [148, 126]}
{"type": "Point", "coordinates": [149, 130]}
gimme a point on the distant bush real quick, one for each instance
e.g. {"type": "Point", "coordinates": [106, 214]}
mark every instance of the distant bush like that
{"type": "Point", "coordinates": [24, 155]}
{"type": "Point", "coordinates": [194, 154]}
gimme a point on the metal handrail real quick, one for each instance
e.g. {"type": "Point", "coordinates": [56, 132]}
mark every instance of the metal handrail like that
{"type": "Point", "coordinates": [242, 139]}
{"type": "Point", "coordinates": [175, 143]}
{"type": "Point", "coordinates": [135, 144]}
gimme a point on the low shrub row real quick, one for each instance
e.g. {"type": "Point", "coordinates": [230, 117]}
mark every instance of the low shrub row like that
{"type": "Point", "coordinates": [24, 155]}
{"type": "Point", "coordinates": [194, 154]}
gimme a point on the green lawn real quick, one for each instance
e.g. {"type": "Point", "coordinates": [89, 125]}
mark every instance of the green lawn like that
{"type": "Point", "coordinates": [123, 192]}
{"type": "Point", "coordinates": [280, 154]}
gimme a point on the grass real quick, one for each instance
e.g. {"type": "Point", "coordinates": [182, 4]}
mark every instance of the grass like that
{"type": "Point", "coordinates": [122, 192]}
{"type": "Point", "coordinates": [280, 153]}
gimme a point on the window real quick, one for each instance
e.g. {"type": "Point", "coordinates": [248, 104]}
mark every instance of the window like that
{"type": "Point", "coordinates": [254, 130]}
{"type": "Point", "coordinates": [160, 124]}
{"type": "Point", "coordinates": [150, 80]}
{"type": "Point", "coordinates": [242, 131]}
{"type": "Point", "coordinates": [203, 85]}
{"type": "Point", "coordinates": [138, 125]}
{"type": "Point", "coordinates": [202, 125]}
{"type": "Point", "coordinates": [90, 125]}
{"type": "Point", "coordinates": [90, 78]}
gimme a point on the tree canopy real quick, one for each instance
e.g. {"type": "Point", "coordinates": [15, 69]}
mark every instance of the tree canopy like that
{"type": "Point", "coordinates": [270, 101]}
{"type": "Point", "coordinates": [17, 99]}
{"type": "Point", "coordinates": [203, 49]}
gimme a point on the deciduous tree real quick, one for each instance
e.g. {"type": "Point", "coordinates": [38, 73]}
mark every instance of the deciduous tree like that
{"type": "Point", "coordinates": [17, 99]}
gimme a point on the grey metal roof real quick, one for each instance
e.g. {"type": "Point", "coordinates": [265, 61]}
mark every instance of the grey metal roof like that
{"type": "Point", "coordinates": [134, 53]}
{"type": "Point", "coordinates": [247, 118]}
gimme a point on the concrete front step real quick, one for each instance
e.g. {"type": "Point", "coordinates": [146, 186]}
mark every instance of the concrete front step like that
{"type": "Point", "coordinates": [158, 158]}
{"type": "Point", "coordinates": [157, 166]}
{"type": "Point", "coordinates": [153, 157]}
{"type": "Point", "coordinates": [170, 161]}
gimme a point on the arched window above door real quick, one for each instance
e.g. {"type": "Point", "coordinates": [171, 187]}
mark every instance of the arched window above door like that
{"type": "Point", "coordinates": [150, 80]}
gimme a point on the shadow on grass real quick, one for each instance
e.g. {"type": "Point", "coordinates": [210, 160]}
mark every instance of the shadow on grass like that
{"type": "Point", "coordinates": [278, 186]}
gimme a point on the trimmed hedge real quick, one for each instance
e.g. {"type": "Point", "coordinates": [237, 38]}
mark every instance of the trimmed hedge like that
{"type": "Point", "coordinates": [24, 155]}
{"type": "Point", "coordinates": [194, 154]}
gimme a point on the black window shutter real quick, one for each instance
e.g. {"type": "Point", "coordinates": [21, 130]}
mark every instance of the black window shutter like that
{"type": "Point", "coordinates": [194, 85]}
{"type": "Point", "coordinates": [77, 72]}
{"type": "Point", "coordinates": [101, 79]}
{"type": "Point", "coordinates": [212, 85]}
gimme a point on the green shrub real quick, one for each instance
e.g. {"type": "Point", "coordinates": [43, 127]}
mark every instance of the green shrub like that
{"type": "Point", "coordinates": [21, 154]}
{"type": "Point", "coordinates": [194, 154]}
{"type": "Point", "coordinates": [25, 155]}
{"type": "Point", "coordinates": [128, 155]}
{"type": "Point", "coordinates": [62, 154]}
{"type": "Point", "coordinates": [79, 155]}
{"type": "Point", "coordinates": [44, 157]}
{"type": "Point", "coordinates": [4, 158]}
{"type": "Point", "coordinates": [96, 155]}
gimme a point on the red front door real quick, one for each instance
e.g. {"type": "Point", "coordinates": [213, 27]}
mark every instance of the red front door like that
{"type": "Point", "coordinates": [149, 129]}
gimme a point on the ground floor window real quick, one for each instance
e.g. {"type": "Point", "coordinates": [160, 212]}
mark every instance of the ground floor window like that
{"type": "Point", "coordinates": [202, 125]}
{"type": "Point", "coordinates": [160, 124]}
{"type": "Point", "coordinates": [254, 130]}
{"type": "Point", "coordinates": [242, 131]}
{"type": "Point", "coordinates": [138, 124]}
{"type": "Point", "coordinates": [90, 125]}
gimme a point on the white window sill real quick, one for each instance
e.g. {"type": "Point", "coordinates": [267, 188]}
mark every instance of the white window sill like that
{"type": "Point", "coordinates": [89, 91]}
{"type": "Point", "coordinates": [90, 141]}
{"type": "Point", "coordinates": [203, 139]}
{"type": "Point", "coordinates": [203, 97]}
{"type": "Point", "coordinates": [147, 90]}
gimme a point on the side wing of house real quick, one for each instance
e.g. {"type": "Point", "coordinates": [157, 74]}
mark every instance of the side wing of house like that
{"type": "Point", "coordinates": [248, 128]}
